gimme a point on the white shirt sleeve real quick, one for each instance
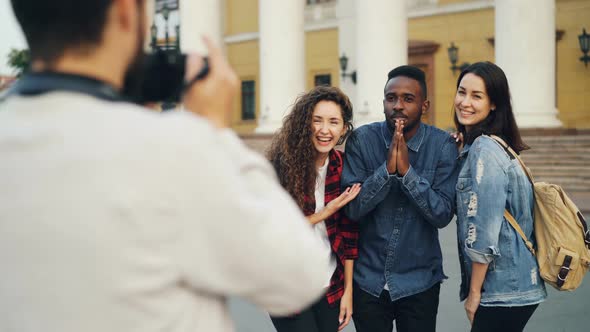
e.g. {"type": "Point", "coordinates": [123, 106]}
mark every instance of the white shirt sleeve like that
{"type": "Point", "coordinates": [240, 233]}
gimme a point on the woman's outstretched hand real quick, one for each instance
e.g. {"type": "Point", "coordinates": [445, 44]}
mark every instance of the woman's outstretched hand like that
{"type": "Point", "coordinates": [336, 204]}
{"type": "Point", "coordinates": [347, 195]}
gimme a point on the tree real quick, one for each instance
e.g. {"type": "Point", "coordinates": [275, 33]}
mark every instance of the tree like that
{"type": "Point", "coordinates": [19, 60]}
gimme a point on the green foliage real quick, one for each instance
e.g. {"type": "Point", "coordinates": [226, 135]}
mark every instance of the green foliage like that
{"type": "Point", "coordinates": [19, 60]}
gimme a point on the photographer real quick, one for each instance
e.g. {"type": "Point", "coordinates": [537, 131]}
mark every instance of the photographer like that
{"type": "Point", "coordinates": [114, 218]}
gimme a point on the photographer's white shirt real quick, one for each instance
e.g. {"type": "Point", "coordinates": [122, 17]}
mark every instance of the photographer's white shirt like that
{"type": "Point", "coordinates": [114, 218]}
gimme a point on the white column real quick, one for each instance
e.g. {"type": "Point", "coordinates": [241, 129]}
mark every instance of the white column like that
{"type": "Point", "coordinates": [282, 60]}
{"type": "Point", "coordinates": [525, 50]}
{"type": "Point", "coordinates": [346, 15]}
{"type": "Point", "coordinates": [150, 11]}
{"type": "Point", "coordinates": [198, 18]}
{"type": "Point", "coordinates": [382, 44]}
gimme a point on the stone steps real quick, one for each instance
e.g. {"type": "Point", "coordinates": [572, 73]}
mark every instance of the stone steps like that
{"type": "Point", "coordinates": [560, 159]}
{"type": "Point", "coordinates": [556, 156]}
{"type": "Point", "coordinates": [569, 171]}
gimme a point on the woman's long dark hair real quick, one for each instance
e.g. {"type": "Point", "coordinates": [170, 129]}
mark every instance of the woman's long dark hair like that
{"type": "Point", "coordinates": [501, 121]}
{"type": "Point", "coordinates": [292, 152]}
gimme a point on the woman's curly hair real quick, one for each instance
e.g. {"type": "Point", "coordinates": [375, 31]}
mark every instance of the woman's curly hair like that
{"type": "Point", "coordinates": [292, 152]}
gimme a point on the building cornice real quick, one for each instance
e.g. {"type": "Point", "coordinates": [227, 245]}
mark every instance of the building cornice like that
{"type": "Point", "coordinates": [433, 10]}
{"type": "Point", "coordinates": [425, 11]}
{"type": "Point", "coordinates": [250, 36]}
{"type": "Point", "coordinates": [241, 37]}
{"type": "Point", "coordinates": [325, 25]}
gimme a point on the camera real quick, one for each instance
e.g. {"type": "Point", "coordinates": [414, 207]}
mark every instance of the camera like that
{"type": "Point", "coordinates": [160, 77]}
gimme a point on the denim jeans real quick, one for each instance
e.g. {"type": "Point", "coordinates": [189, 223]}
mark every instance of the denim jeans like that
{"type": "Point", "coordinates": [413, 313]}
{"type": "Point", "coordinates": [505, 319]}
{"type": "Point", "coordinates": [319, 317]}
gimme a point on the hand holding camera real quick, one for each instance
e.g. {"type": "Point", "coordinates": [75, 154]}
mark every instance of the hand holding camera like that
{"type": "Point", "coordinates": [205, 85]}
{"type": "Point", "coordinates": [212, 95]}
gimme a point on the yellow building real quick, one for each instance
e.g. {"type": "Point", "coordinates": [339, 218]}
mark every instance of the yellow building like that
{"type": "Point", "coordinates": [432, 25]}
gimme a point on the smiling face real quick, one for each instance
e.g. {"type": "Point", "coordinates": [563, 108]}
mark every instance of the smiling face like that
{"type": "Point", "coordinates": [404, 101]}
{"type": "Point", "coordinates": [472, 103]}
{"type": "Point", "coordinates": [327, 126]}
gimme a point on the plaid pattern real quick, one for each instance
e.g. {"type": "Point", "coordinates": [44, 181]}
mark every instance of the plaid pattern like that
{"type": "Point", "coordinates": [342, 232]}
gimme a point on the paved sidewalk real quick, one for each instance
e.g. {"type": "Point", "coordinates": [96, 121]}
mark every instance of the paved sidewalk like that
{"type": "Point", "coordinates": [562, 312]}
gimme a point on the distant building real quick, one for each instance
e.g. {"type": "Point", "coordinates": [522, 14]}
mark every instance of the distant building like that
{"type": "Point", "coordinates": [281, 48]}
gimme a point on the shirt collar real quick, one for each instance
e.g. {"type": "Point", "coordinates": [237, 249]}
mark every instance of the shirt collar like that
{"type": "Point", "coordinates": [464, 151]}
{"type": "Point", "coordinates": [413, 144]}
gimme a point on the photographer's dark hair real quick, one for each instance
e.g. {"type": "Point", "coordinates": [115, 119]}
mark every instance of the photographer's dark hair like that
{"type": "Point", "coordinates": [501, 121]}
{"type": "Point", "coordinates": [53, 26]}
{"type": "Point", "coordinates": [413, 73]}
{"type": "Point", "coordinates": [292, 152]}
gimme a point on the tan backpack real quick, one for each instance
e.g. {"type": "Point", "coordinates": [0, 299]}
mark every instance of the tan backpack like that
{"type": "Point", "coordinates": [563, 238]}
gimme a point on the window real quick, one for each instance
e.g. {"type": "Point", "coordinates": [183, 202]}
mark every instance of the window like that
{"type": "Point", "coordinates": [248, 100]}
{"type": "Point", "coordinates": [323, 79]}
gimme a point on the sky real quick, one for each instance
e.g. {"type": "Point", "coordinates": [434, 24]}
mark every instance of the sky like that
{"type": "Point", "coordinates": [10, 36]}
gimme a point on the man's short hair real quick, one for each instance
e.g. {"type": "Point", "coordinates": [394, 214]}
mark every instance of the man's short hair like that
{"type": "Point", "coordinates": [53, 26]}
{"type": "Point", "coordinates": [412, 72]}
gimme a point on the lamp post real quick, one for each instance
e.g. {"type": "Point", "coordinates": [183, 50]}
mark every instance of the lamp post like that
{"type": "Point", "coordinates": [170, 51]}
{"type": "Point", "coordinates": [177, 37]}
{"type": "Point", "coordinates": [343, 64]}
{"type": "Point", "coordinates": [166, 15]}
{"type": "Point", "coordinates": [584, 39]}
{"type": "Point", "coordinates": [154, 34]}
{"type": "Point", "coordinates": [453, 57]}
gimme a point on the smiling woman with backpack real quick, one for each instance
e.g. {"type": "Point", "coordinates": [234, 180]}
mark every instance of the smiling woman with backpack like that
{"type": "Point", "coordinates": [500, 279]}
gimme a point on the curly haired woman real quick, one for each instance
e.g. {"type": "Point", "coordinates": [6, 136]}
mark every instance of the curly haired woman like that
{"type": "Point", "coordinates": [309, 168]}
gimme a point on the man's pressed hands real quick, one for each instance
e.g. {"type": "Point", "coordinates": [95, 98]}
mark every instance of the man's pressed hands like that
{"type": "Point", "coordinates": [398, 161]}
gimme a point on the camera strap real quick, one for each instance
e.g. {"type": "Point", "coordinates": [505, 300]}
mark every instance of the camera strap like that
{"type": "Point", "coordinates": [38, 83]}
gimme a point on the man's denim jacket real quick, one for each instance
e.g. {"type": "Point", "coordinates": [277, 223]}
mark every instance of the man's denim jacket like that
{"type": "Point", "coordinates": [489, 182]}
{"type": "Point", "coordinates": [399, 217]}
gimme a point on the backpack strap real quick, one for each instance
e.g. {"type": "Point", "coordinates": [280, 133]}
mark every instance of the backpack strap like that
{"type": "Point", "coordinates": [507, 214]}
{"type": "Point", "coordinates": [517, 228]}
{"type": "Point", "coordinates": [564, 270]}
{"type": "Point", "coordinates": [586, 230]}
{"type": "Point", "coordinates": [515, 155]}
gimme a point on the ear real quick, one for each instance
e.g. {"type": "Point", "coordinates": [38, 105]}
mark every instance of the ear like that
{"type": "Point", "coordinates": [343, 134]}
{"type": "Point", "coordinates": [425, 106]}
{"type": "Point", "coordinates": [126, 13]}
{"type": "Point", "coordinates": [344, 130]}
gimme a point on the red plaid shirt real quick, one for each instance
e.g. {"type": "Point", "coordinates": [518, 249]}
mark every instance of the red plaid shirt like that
{"type": "Point", "coordinates": [342, 232]}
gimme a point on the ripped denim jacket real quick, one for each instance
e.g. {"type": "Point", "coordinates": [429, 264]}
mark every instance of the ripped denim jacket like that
{"type": "Point", "coordinates": [489, 182]}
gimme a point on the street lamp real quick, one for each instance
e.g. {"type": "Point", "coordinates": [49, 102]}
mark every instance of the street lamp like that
{"type": "Point", "coordinates": [343, 64]}
{"type": "Point", "coordinates": [154, 34]}
{"type": "Point", "coordinates": [166, 15]}
{"type": "Point", "coordinates": [454, 56]}
{"type": "Point", "coordinates": [178, 36]}
{"type": "Point", "coordinates": [169, 51]}
{"type": "Point", "coordinates": [584, 39]}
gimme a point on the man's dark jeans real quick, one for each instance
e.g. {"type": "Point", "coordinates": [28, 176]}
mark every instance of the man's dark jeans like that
{"type": "Point", "coordinates": [413, 313]}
